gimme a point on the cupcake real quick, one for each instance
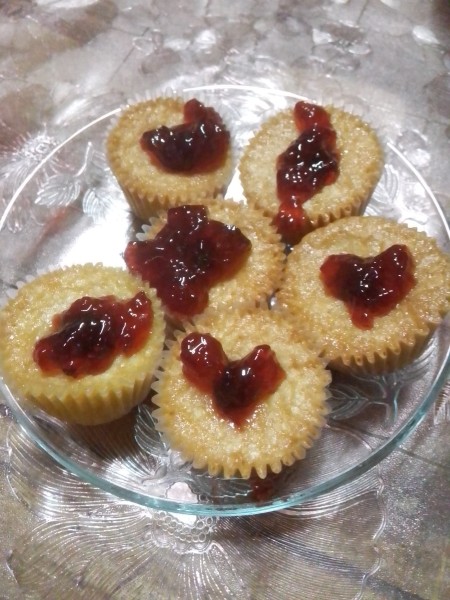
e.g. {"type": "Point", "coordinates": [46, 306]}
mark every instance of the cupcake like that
{"type": "Point", "coordinates": [165, 151]}
{"type": "Point", "coordinates": [218, 255]}
{"type": "Point", "coordinates": [310, 165]}
{"type": "Point", "coordinates": [240, 394]}
{"type": "Point", "coordinates": [368, 291]}
{"type": "Point", "coordinates": [82, 342]}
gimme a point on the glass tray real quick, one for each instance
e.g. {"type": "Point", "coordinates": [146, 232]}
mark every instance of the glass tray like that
{"type": "Point", "coordinates": [69, 209]}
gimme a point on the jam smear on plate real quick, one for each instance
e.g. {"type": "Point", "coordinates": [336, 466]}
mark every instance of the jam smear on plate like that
{"type": "Point", "coordinates": [236, 386]}
{"type": "Point", "coordinates": [198, 145]}
{"type": "Point", "coordinates": [309, 164]}
{"type": "Point", "coordinates": [370, 287]}
{"type": "Point", "coordinates": [187, 257]}
{"type": "Point", "coordinates": [92, 332]}
{"type": "Point", "coordinates": [262, 490]}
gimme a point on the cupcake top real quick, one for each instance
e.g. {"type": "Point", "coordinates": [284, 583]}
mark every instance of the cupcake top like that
{"type": "Point", "coordinates": [310, 165]}
{"type": "Point", "coordinates": [368, 291]}
{"type": "Point", "coordinates": [82, 342]}
{"type": "Point", "coordinates": [217, 255]}
{"type": "Point", "coordinates": [166, 151]}
{"type": "Point", "coordinates": [240, 391]}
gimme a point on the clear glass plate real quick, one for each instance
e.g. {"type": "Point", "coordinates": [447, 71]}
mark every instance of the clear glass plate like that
{"type": "Point", "coordinates": [68, 209]}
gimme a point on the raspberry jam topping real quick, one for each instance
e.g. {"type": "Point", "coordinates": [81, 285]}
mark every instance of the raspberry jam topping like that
{"type": "Point", "coordinates": [309, 164]}
{"type": "Point", "coordinates": [92, 332]}
{"type": "Point", "coordinates": [187, 257]}
{"type": "Point", "coordinates": [200, 144]}
{"type": "Point", "coordinates": [369, 287]}
{"type": "Point", "coordinates": [236, 386]}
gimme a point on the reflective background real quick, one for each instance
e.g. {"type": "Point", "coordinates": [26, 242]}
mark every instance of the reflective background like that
{"type": "Point", "coordinates": [387, 534]}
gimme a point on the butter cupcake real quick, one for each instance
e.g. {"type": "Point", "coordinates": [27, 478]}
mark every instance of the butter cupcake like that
{"type": "Point", "coordinates": [216, 255]}
{"type": "Point", "coordinates": [239, 393]}
{"type": "Point", "coordinates": [167, 151]}
{"type": "Point", "coordinates": [311, 165]}
{"type": "Point", "coordinates": [82, 342]}
{"type": "Point", "coordinates": [368, 291]}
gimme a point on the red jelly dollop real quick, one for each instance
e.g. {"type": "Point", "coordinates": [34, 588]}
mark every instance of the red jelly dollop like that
{"type": "Point", "coordinates": [92, 332]}
{"type": "Point", "coordinates": [309, 164]}
{"type": "Point", "coordinates": [369, 287]}
{"type": "Point", "coordinates": [200, 144]}
{"type": "Point", "coordinates": [236, 386]}
{"type": "Point", "coordinates": [188, 256]}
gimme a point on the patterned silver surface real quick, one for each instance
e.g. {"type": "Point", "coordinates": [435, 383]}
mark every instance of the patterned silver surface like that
{"type": "Point", "coordinates": [64, 62]}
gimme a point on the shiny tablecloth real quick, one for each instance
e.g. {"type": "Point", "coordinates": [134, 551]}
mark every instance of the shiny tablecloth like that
{"type": "Point", "coordinates": [392, 539]}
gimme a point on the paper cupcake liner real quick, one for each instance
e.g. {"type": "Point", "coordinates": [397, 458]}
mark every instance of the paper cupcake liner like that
{"type": "Point", "coordinates": [385, 360]}
{"type": "Point", "coordinates": [95, 409]}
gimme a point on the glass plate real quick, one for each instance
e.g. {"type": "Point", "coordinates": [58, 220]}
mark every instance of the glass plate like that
{"type": "Point", "coordinates": [69, 209]}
